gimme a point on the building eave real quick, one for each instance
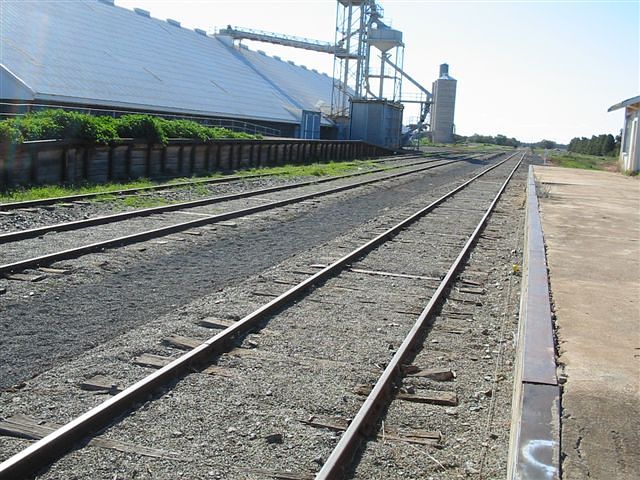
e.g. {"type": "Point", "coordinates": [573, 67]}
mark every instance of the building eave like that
{"type": "Point", "coordinates": [633, 102]}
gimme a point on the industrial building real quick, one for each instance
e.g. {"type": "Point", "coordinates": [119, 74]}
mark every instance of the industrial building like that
{"type": "Point", "coordinates": [368, 99]}
{"type": "Point", "coordinates": [94, 56]}
{"type": "Point", "coordinates": [629, 151]}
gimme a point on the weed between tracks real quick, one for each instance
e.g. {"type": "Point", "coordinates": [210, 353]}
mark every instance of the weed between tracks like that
{"type": "Point", "coordinates": [314, 170]}
{"type": "Point", "coordinates": [55, 191]}
{"type": "Point", "coordinates": [144, 202]}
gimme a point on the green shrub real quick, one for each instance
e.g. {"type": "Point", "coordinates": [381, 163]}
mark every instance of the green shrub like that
{"type": "Point", "coordinates": [220, 132]}
{"type": "Point", "coordinates": [185, 129]}
{"type": "Point", "coordinates": [60, 124]}
{"type": "Point", "coordinates": [141, 126]}
{"type": "Point", "coordinates": [9, 133]}
{"type": "Point", "coordinates": [85, 128]}
{"type": "Point", "coordinates": [190, 129]}
{"type": "Point", "coordinates": [37, 127]}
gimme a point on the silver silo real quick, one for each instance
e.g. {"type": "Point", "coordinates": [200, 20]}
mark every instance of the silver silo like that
{"type": "Point", "coordinates": [443, 108]}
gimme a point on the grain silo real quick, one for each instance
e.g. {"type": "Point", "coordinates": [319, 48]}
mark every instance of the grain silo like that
{"type": "Point", "coordinates": [443, 108]}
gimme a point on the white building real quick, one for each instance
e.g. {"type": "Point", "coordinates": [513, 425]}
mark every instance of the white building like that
{"type": "Point", "coordinates": [629, 151]}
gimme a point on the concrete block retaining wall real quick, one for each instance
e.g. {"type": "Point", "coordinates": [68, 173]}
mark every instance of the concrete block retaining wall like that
{"type": "Point", "coordinates": [58, 161]}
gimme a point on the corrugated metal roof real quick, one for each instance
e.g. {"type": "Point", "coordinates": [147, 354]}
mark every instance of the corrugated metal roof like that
{"type": "Point", "coordinates": [298, 82]}
{"type": "Point", "coordinates": [91, 52]}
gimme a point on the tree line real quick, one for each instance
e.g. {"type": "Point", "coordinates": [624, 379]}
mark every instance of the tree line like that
{"type": "Point", "coordinates": [502, 140]}
{"type": "Point", "coordinates": [602, 145]}
{"type": "Point", "coordinates": [605, 145]}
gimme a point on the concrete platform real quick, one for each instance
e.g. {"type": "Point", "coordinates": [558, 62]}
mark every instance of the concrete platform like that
{"type": "Point", "coordinates": [591, 225]}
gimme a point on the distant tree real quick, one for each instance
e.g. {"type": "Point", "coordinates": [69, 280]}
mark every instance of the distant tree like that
{"type": "Point", "coordinates": [499, 139]}
{"type": "Point", "coordinates": [605, 144]}
{"type": "Point", "coordinates": [609, 145]}
{"type": "Point", "coordinates": [618, 146]}
{"type": "Point", "coordinates": [548, 144]}
{"type": "Point", "coordinates": [583, 145]}
{"type": "Point", "coordinates": [596, 144]}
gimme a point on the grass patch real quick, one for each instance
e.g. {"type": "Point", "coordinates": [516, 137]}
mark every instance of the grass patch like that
{"type": "Point", "coordinates": [195, 179]}
{"type": "Point", "coordinates": [312, 170]}
{"type": "Point", "coordinates": [55, 191]}
{"type": "Point", "coordinates": [199, 189]}
{"type": "Point", "coordinates": [424, 142]}
{"type": "Point", "coordinates": [136, 201]}
{"type": "Point", "coordinates": [587, 162]}
{"type": "Point", "coordinates": [481, 147]}
{"type": "Point", "coordinates": [542, 189]}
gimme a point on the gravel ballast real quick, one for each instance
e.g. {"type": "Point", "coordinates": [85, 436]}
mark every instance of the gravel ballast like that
{"type": "Point", "coordinates": [54, 241]}
{"type": "Point", "coordinates": [305, 362]}
{"type": "Point", "coordinates": [64, 211]}
{"type": "Point", "coordinates": [108, 293]}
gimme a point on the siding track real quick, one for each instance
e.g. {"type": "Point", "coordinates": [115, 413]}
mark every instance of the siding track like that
{"type": "Point", "coordinates": [145, 224]}
{"type": "Point", "coordinates": [176, 185]}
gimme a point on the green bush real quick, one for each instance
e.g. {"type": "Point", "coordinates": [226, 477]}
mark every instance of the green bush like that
{"type": "Point", "coordinates": [60, 124]}
{"type": "Point", "coordinates": [220, 132]}
{"type": "Point", "coordinates": [185, 129]}
{"type": "Point", "coordinates": [141, 126]}
{"type": "Point", "coordinates": [36, 127]}
{"type": "Point", "coordinates": [190, 129]}
{"type": "Point", "coordinates": [85, 128]}
{"type": "Point", "coordinates": [9, 133]}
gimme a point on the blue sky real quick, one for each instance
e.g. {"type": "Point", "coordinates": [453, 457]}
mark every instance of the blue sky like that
{"type": "Point", "coordinates": [530, 70]}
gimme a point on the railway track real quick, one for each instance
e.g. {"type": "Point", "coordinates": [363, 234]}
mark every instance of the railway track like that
{"type": "Point", "coordinates": [8, 206]}
{"type": "Point", "coordinates": [19, 234]}
{"type": "Point", "coordinates": [144, 224]}
{"type": "Point", "coordinates": [333, 291]}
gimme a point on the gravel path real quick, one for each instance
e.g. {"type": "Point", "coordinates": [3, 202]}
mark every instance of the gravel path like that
{"type": "Point", "coordinates": [252, 412]}
{"type": "Point", "coordinates": [107, 294]}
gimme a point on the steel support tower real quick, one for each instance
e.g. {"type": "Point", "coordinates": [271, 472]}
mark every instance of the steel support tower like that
{"type": "Point", "coordinates": [356, 73]}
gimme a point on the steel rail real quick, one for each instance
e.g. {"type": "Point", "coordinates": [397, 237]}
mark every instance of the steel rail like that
{"type": "Point", "coordinates": [117, 217]}
{"type": "Point", "coordinates": [46, 450]}
{"type": "Point", "coordinates": [164, 186]}
{"type": "Point", "coordinates": [178, 227]}
{"type": "Point", "coordinates": [366, 419]}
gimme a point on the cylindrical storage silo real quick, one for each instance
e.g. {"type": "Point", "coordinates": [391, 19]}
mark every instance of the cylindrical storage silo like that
{"type": "Point", "coordinates": [443, 108]}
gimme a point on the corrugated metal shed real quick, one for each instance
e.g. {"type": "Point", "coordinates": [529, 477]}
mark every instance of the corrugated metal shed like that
{"type": "Point", "coordinates": [93, 53]}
